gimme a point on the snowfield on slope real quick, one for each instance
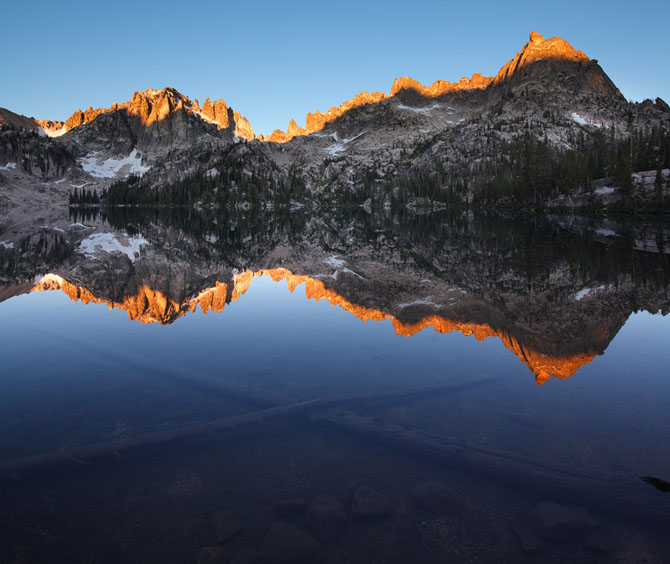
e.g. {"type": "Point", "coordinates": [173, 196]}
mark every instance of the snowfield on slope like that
{"type": "Point", "coordinates": [109, 168]}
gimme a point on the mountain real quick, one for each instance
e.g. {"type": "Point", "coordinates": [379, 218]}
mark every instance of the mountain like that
{"type": "Point", "coordinates": [549, 125]}
{"type": "Point", "coordinates": [552, 67]}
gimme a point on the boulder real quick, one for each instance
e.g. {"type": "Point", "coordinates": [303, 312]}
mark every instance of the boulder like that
{"type": "Point", "coordinates": [326, 518]}
{"type": "Point", "coordinates": [245, 555]}
{"type": "Point", "coordinates": [434, 497]}
{"type": "Point", "coordinates": [291, 508]}
{"type": "Point", "coordinates": [286, 544]}
{"type": "Point", "coordinates": [212, 555]}
{"type": "Point", "coordinates": [559, 523]}
{"type": "Point", "coordinates": [368, 503]}
{"type": "Point", "coordinates": [530, 543]}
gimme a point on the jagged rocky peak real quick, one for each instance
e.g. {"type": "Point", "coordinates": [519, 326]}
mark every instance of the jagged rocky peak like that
{"type": "Point", "coordinates": [153, 105]}
{"type": "Point", "coordinates": [537, 59]}
{"type": "Point", "coordinates": [556, 59]}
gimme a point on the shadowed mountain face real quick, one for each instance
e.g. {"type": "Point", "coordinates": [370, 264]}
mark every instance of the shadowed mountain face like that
{"type": "Point", "coordinates": [553, 295]}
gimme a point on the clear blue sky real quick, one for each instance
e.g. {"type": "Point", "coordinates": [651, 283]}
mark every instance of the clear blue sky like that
{"type": "Point", "coordinates": [280, 59]}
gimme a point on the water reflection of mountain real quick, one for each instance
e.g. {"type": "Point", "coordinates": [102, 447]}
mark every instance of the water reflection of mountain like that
{"type": "Point", "coordinates": [555, 295]}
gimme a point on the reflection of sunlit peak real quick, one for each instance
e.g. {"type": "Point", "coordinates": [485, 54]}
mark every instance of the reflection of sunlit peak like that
{"type": "Point", "coordinates": [152, 306]}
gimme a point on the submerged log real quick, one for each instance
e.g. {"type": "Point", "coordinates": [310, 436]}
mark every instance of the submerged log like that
{"type": "Point", "coordinates": [620, 494]}
{"type": "Point", "coordinates": [84, 453]}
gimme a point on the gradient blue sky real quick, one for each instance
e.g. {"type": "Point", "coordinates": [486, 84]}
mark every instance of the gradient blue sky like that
{"type": "Point", "coordinates": [277, 60]}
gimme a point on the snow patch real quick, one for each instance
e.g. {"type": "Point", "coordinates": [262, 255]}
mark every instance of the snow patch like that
{"type": "Point", "coordinates": [584, 121]}
{"type": "Point", "coordinates": [353, 138]}
{"type": "Point", "coordinates": [334, 149]}
{"type": "Point", "coordinates": [333, 135]}
{"type": "Point", "coordinates": [54, 132]}
{"type": "Point", "coordinates": [604, 190]}
{"type": "Point", "coordinates": [461, 290]}
{"type": "Point", "coordinates": [349, 271]}
{"type": "Point", "coordinates": [424, 111]}
{"type": "Point", "coordinates": [8, 166]}
{"type": "Point", "coordinates": [334, 262]}
{"type": "Point", "coordinates": [421, 301]}
{"type": "Point", "coordinates": [111, 243]}
{"type": "Point", "coordinates": [7, 244]}
{"type": "Point", "coordinates": [109, 168]}
{"type": "Point", "coordinates": [587, 292]}
{"type": "Point", "coordinates": [77, 226]}
{"type": "Point", "coordinates": [606, 232]}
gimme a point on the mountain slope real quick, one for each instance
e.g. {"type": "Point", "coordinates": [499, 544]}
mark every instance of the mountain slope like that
{"type": "Point", "coordinates": [539, 129]}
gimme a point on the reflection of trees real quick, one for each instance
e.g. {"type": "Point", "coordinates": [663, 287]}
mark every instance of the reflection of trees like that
{"type": "Point", "coordinates": [528, 247]}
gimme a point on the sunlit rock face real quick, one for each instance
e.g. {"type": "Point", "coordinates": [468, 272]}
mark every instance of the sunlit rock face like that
{"type": "Point", "coordinates": [151, 106]}
{"type": "Point", "coordinates": [97, 146]}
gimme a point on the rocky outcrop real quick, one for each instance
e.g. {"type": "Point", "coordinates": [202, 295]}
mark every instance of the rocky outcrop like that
{"type": "Point", "coordinates": [222, 116]}
{"type": "Point", "coordinates": [151, 106]}
{"type": "Point", "coordinates": [27, 152]}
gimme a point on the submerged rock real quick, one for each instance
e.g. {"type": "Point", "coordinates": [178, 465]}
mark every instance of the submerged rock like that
{"type": "Point", "coordinates": [434, 497]}
{"type": "Point", "coordinates": [286, 544]}
{"type": "Point", "coordinates": [326, 517]}
{"type": "Point", "coordinates": [291, 508]}
{"type": "Point", "coordinates": [560, 522]}
{"type": "Point", "coordinates": [245, 555]}
{"type": "Point", "coordinates": [225, 527]}
{"type": "Point", "coordinates": [530, 543]}
{"type": "Point", "coordinates": [597, 542]}
{"type": "Point", "coordinates": [212, 555]}
{"type": "Point", "coordinates": [368, 503]}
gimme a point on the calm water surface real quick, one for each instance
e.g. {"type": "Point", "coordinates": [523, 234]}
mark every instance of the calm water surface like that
{"type": "Point", "coordinates": [462, 372]}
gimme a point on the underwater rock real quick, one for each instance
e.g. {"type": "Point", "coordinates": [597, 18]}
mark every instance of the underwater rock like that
{"type": "Point", "coordinates": [212, 555]}
{"type": "Point", "coordinates": [434, 497]}
{"type": "Point", "coordinates": [225, 527]}
{"type": "Point", "coordinates": [530, 543]}
{"type": "Point", "coordinates": [291, 508]}
{"type": "Point", "coordinates": [596, 541]}
{"type": "Point", "coordinates": [286, 544]}
{"type": "Point", "coordinates": [368, 503]}
{"type": "Point", "coordinates": [245, 555]}
{"type": "Point", "coordinates": [559, 522]}
{"type": "Point", "coordinates": [326, 518]}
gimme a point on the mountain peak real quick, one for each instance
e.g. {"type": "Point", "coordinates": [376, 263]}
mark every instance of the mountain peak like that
{"type": "Point", "coordinates": [537, 50]}
{"type": "Point", "coordinates": [152, 105]}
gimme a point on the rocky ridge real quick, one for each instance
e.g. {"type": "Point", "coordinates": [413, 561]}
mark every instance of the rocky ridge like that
{"type": "Point", "coordinates": [554, 51]}
{"type": "Point", "coordinates": [452, 134]}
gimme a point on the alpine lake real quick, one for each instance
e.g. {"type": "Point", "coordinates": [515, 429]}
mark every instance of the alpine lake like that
{"type": "Point", "coordinates": [364, 387]}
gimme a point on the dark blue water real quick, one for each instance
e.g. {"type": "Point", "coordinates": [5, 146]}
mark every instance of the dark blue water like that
{"type": "Point", "coordinates": [74, 375]}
